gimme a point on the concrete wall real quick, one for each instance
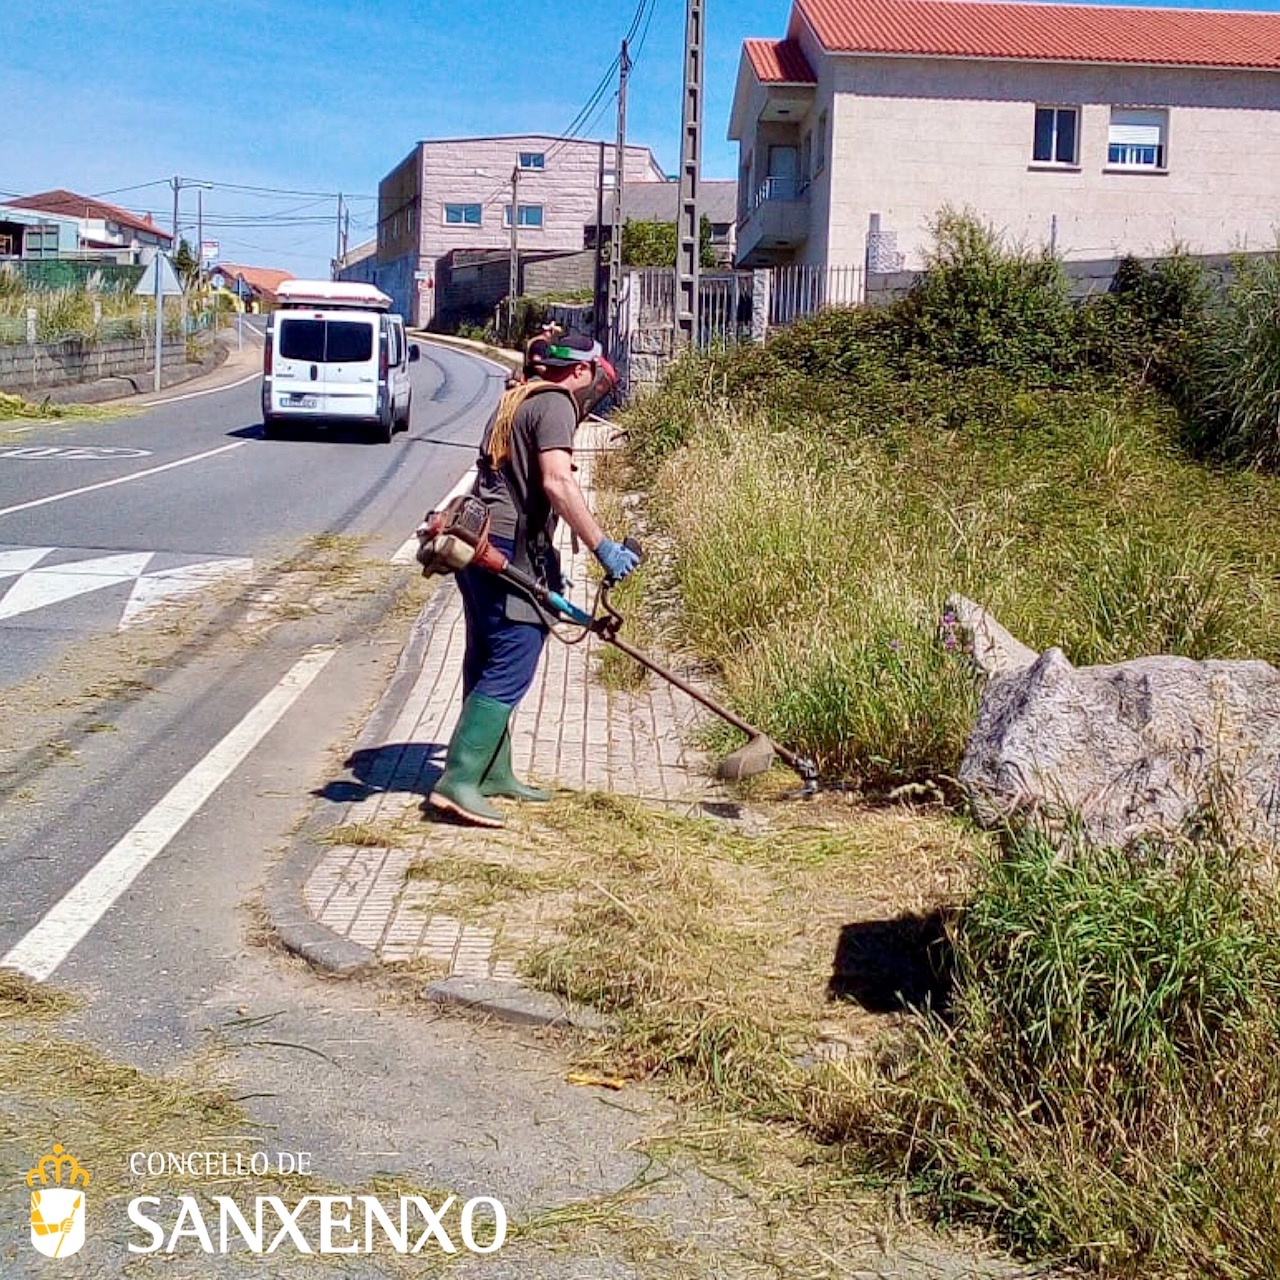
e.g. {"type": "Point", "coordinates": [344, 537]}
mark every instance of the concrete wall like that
{"type": "Point", "coordinates": [911, 135]}
{"type": "Point", "coordinates": [60, 364]}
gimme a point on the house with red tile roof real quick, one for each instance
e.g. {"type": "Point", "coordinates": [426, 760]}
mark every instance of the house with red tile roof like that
{"type": "Point", "coordinates": [1097, 130]}
{"type": "Point", "coordinates": [256, 286]}
{"type": "Point", "coordinates": [105, 230]}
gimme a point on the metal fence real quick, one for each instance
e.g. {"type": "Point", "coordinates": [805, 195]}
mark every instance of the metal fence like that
{"type": "Point", "coordinates": [796, 291]}
{"type": "Point", "coordinates": [726, 299]}
{"type": "Point", "coordinates": [724, 304]}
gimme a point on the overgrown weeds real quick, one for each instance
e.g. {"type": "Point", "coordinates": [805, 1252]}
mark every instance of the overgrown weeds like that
{"type": "Point", "coordinates": [1106, 1085]}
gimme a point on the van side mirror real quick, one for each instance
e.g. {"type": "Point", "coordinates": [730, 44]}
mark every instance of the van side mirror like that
{"type": "Point", "coordinates": [414, 352]}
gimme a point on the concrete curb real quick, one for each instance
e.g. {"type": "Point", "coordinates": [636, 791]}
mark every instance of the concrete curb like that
{"type": "Point", "coordinates": [511, 1002]}
{"type": "Point", "coordinates": [295, 927]}
{"type": "Point", "coordinates": [499, 355]}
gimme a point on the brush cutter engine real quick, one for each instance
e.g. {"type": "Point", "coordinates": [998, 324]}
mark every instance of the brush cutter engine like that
{"type": "Point", "coordinates": [450, 539]}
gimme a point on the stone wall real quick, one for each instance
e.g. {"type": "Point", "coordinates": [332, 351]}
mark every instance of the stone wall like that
{"type": "Point", "coordinates": [567, 273]}
{"type": "Point", "coordinates": [33, 366]}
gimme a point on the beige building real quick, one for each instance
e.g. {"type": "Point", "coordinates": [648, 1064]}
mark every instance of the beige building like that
{"type": "Point", "coordinates": [445, 211]}
{"type": "Point", "coordinates": [1099, 131]}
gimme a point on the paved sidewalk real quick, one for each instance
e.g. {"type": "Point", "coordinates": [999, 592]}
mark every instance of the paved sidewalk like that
{"type": "Point", "coordinates": [571, 731]}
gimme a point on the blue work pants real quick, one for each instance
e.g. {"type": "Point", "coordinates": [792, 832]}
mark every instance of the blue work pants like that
{"type": "Point", "coordinates": [502, 656]}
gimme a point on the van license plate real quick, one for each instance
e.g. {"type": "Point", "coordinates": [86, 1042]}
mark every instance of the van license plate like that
{"type": "Point", "coordinates": [297, 402]}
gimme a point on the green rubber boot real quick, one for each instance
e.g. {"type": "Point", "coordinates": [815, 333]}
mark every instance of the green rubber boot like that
{"type": "Point", "coordinates": [476, 737]}
{"type": "Point", "coordinates": [501, 781]}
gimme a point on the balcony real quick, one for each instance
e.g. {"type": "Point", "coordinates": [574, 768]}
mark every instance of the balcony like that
{"type": "Point", "coordinates": [777, 222]}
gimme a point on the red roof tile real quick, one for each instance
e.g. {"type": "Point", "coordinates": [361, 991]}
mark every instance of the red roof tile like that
{"type": "Point", "coordinates": [261, 279]}
{"type": "Point", "coordinates": [69, 205]}
{"type": "Point", "coordinates": [779, 62]}
{"type": "Point", "coordinates": [1041, 31]}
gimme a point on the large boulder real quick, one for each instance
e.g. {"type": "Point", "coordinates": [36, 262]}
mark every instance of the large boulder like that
{"type": "Point", "coordinates": [1121, 751]}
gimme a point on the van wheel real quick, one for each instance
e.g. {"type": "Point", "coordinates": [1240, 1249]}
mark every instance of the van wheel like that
{"type": "Point", "coordinates": [270, 428]}
{"type": "Point", "coordinates": [403, 424]}
{"type": "Point", "coordinates": [385, 427]}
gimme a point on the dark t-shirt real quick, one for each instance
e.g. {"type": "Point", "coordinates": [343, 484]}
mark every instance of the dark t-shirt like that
{"type": "Point", "coordinates": [546, 420]}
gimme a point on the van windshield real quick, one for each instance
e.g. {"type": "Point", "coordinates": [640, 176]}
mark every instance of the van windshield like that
{"type": "Point", "coordinates": [326, 341]}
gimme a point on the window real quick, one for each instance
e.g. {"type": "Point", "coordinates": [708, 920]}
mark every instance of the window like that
{"type": "Point", "coordinates": [530, 215]}
{"type": "Point", "coordinates": [1055, 137]}
{"type": "Point", "coordinates": [462, 215]}
{"type": "Point", "coordinates": [820, 145]}
{"type": "Point", "coordinates": [326, 341]}
{"type": "Point", "coordinates": [533, 160]}
{"type": "Point", "coordinates": [806, 157]}
{"type": "Point", "coordinates": [1136, 139]}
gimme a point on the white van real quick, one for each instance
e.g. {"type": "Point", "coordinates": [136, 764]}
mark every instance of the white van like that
{"type": "Point", "coordinates": [336, 352]}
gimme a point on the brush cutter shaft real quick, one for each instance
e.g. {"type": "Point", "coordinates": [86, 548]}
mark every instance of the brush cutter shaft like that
{"type": "Point", "coordinates": [799, 764]}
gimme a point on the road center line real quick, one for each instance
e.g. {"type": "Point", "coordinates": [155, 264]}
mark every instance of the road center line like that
{"type": "Point", "coordinates": [107, 484]}
{"type": "Point", "coordinates": [69, 921]}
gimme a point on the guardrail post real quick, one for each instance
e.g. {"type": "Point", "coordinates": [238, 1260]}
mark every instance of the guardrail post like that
{"type": "Point", "coordinates": [31, 325]}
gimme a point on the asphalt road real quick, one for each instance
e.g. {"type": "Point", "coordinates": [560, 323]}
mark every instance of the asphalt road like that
{"type": "Point", "coordinates": [139, 822]}
{"type": "Point", "coordinates": [99, 520]}
{"type": "Point", "coordinates": [184, 503]}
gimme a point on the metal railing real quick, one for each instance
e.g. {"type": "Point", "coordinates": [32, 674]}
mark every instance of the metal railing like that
{"type": "Point", "coordinates": [724, 304]}
{"type": "Point", "coordinates": [779, 189]}
{"type": "Point", "coordinates": [799, 290]}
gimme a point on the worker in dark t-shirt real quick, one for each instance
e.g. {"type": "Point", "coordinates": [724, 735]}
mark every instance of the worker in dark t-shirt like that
{"type": "Point", "coordinates": [525, 478]}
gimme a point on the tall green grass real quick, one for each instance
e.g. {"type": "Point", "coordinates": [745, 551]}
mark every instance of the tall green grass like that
{"type": "Point", "coordinates": [1106, 1087]}
{"type": "Point", "coordinates": [1233, 392]}
{"type": "Point", "coordinates": [813, 567]}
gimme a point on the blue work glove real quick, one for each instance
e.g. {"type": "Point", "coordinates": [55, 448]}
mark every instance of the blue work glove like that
{"type": "Point", "coordinates": [617, 560]}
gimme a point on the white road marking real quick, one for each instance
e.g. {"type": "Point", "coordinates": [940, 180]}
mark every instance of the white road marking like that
{"type": "Point", "coordinates": [68, 922]}
{"type": "Point", "coordinates": [195, 395]}
{"type": "Point", "coordinates": [107, 484]}
{"type": "Point", "coordinates": [21, 559]}
{"type": "Point", "coordinates": [47, 586]}
{"type": "Point", "coordinates": [409, 548]}
{"type": "Point", "coordinates": [158, 588]}
{"type": "Point", "coordinates": [70, 452]}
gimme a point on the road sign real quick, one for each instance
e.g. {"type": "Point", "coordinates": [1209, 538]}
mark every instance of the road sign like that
{"type": "Point", "coordinates": [218, 280]}
{"type": "Point", "coordinates": [210, 251]}
{"type": "Point", "coordinates": [169, 286]}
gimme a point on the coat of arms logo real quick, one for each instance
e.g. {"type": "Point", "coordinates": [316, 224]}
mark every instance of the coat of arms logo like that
{"type": "Point", "coordinates": [57, 1204]}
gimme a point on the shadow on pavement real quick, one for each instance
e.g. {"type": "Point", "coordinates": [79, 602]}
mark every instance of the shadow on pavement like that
{"type": "Point", "coordinates": [410, 767]}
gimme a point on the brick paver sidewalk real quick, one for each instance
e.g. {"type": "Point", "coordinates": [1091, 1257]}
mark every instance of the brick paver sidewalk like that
{"type": "Point", "coordinates": [570, 730]}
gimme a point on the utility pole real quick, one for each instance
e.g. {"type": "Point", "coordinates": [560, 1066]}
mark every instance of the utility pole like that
{"type": "Point", "coordinates": [176, 184]}
{"type": "Point", "coordinates": [597, 311]}
{"type": "Point", "coordinates": [687, 232]}
{"type": "Point", "coordinates": [337, 250]}
{"type": "Point", "coordinates": [619, 182]}
{"type": "Point", "coordinates": [200, 237]}
{"type": "Point", "coordinates": [513, 283]}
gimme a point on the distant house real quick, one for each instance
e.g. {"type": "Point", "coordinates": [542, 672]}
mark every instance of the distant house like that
{"type": "Point", "coordinates": [27, 235]}
{"type": "Point", "coordinates": [254, 286]}
{"type": "Point", "coordinates": [660, 202]}
{"type": "Point", "coordinates": [1099, 131]}
{"type": "Point", "coordinates": [103, 230]}
{"type": "Point", "coordinates": [447, 206]}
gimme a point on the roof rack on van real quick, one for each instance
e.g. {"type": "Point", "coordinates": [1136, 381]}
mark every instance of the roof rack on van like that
{"type": "Point", "coordinates": [332, 294]}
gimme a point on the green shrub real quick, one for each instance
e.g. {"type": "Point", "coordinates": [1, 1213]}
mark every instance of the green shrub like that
{"type": "Point", "coordinates": [1106, 1088]}
{"type": "Point", "coordinates": [980, 303]}
{"type": "Point", "coordinates": [1150, 324]}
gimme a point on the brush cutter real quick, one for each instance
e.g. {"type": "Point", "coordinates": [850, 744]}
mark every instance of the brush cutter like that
{"type": "Point", "coordinates": [457, 537]}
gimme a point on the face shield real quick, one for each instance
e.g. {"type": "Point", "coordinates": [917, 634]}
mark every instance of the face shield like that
{"type": "Point", "coordinates": [604, 381]}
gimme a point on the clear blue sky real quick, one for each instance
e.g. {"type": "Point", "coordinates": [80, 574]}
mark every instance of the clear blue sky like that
{"type": "Point", "coordinates": [328, 95]}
